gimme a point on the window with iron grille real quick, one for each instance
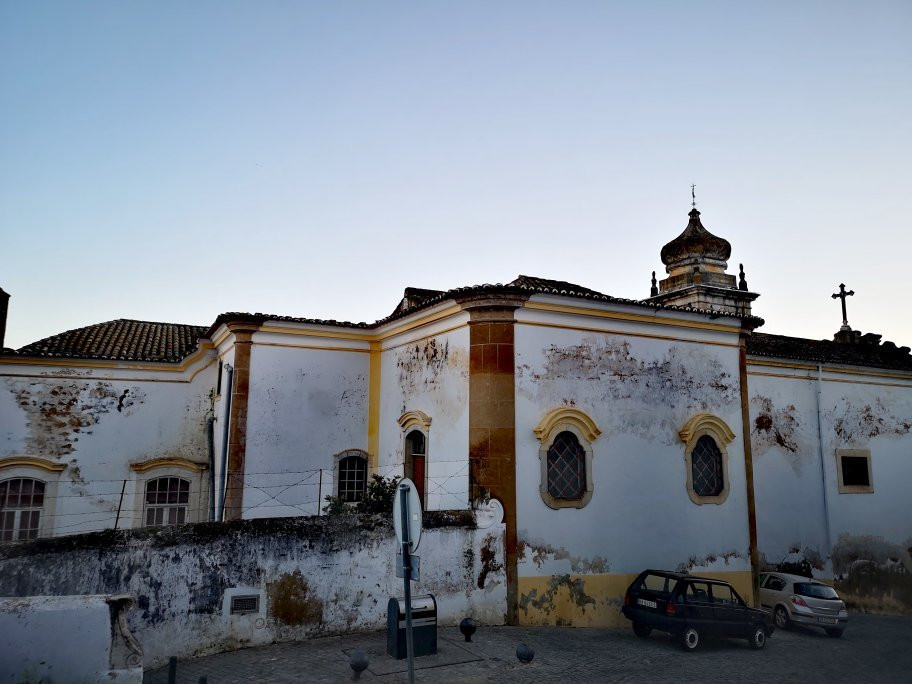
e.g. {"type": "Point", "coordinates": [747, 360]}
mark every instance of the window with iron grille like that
{"type": "Point", "coordinates": [21, 503]}
{"type": "Point", "coordinates": [245, 604]}
{"type": "Point", "coordinates": [167, 501]}
{"type": "Point", "coordinates": [706, 465]}
{"type": "Point", "coordinates": [566, 467]}
{"type": "Point", "coordinates": [352, 476]}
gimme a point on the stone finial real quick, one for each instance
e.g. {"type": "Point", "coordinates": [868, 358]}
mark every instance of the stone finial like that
{"type": "Point", "coordinates": [654, 290]}
{"type": "Point", "coordinates": [742, 281]}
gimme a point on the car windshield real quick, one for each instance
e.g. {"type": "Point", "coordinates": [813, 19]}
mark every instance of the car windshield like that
{"type": "Point", "coordinates": [815, 590]}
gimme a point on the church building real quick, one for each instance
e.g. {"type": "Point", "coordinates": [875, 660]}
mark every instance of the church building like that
{"type": "Point", "coordinates": [613, 434]}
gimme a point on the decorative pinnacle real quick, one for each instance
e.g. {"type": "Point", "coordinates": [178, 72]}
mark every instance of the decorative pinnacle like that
{"type": "Point", "coordinates": [842, 294]}
{"type": "Point", "coordinates": [653, 291]}
{"type": "Point", "coordinates": [693, 196]}
{"type": "Point", "coordinates": [742, 281]}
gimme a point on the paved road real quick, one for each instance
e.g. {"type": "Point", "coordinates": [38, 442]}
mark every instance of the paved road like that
{"type": "Point", "coordinates": [874, 648]}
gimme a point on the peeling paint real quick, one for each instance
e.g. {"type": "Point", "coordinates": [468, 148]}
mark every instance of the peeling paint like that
{"type": "Point", "coordinates": [58, 414]}
{"type": "Point", "coordinates": [709, 560]}
{"type": "Point", "coordinates": [545, 601]}
{"type": "Point", "coordinates": [603, 370]}
{"type": "Point", "coordinates": [773, 427]}
{"type": "Point", "coordinates": [854, 424]}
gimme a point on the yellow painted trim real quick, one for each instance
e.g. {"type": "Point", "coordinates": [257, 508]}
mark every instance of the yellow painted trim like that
{"type": "Point", "coordinates": [426, 337]}
{"type": "Point", "coordinates": [624, 316]}
{"type": "Point", "coordinates": [412, 418]}
{"type": "Point", "coordinates": [706, 421]}
{"type": "Point", "coordinates": [311, 346]}
{"type": "Point", "coordinates": [540, 604]}
{"type": "Point", "coordinates": [373, 336]}
{"type": "Point", "coordinates": [112, 364]}
{"type": "Point", "coordinates": [827, 368]}
{"type": "Point", "coordinates": [184, 463]}
{"type": "Point", "coordinates": [32, 462]}
{"type": "Point", "coordinates": [813, 378]}
{"type": "Point", "coordinates": [628, 333]}
{"type": "Point", "coordinates": [567, 414]}
{"type": "Point", "coordinates": [373, 404]}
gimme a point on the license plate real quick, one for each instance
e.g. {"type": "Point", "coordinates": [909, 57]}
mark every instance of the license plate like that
{"type": "Point", "coordinates": [648, 604]}
{"type": "Point", "coordinates": [827, 621]}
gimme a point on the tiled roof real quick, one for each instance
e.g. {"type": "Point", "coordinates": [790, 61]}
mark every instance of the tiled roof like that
{"type": "Point", "coordinates": [121, 340]}
{"type": "Point", "coordinates": [522, 285]}
{"type": "Point", "coordinates": [864, 353]}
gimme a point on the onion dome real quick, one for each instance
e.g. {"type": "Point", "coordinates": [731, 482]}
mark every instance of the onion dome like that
{"type": "Point", "coordinates": [695, 244]}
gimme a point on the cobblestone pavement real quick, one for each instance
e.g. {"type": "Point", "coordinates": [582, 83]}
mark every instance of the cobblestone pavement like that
{"type": "Point", "coordinates": [873, 648]}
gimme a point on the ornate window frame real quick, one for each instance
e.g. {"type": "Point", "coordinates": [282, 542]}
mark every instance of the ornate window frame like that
{"type": "Point", "coordinates": [699, 425]}
{"type": "Point", "coordinates": [854, 489]}
{"type": "Point", "coordinates": [409, 422]}
{"type": "Point", "coordinates": [565, 419]}
{"type": "Point", "coordinates": [152, 469]}
{"type": "Point", "coordinates": [43, 470]}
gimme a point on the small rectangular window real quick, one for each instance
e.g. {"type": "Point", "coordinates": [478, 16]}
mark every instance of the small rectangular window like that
{"type": "Point", "coordinates": [241, 605]}
{"type": "Point", "coordinates": [218, 380]}
{"type": "Point", "coordinates": [854, 471]}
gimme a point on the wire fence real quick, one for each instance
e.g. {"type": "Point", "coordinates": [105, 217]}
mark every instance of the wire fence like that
{"type": "Point", "coordinates": [77, 506]}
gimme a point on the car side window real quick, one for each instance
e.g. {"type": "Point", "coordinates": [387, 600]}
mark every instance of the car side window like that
{"type": "Point", "coordinates": [697, 592]}
{"type": "Point", "coordinates": [775, 583]}
{"type": "Point", "coordinates": [723, 594]}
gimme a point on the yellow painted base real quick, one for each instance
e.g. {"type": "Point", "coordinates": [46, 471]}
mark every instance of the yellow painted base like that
{"type": "Point", "coordinates": [593, 600]}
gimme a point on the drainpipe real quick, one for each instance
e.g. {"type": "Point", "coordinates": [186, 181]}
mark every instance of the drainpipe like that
{"type": "Point", "coordinates": [823, 483]}
{"type": "Point", "coordinates": [210, 443]}
{"type": "Point", "coordinates": [229, 376]}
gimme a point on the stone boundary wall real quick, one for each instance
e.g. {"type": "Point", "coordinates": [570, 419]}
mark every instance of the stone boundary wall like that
{"type": "Point", "coordinates": [310, 576]}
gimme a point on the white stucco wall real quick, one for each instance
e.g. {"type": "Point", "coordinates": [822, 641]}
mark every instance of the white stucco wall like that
{"type": "Point", "coordinates": [857, 409]}
{"type": "Point", "coordinates": [640, 390]}
{"type": "Point", "coordinates": [313, 577]}
{"type": "Point", "coordinates": [427, 369]}
{"type": "Point", "coordinates": [305, 405]}
{"type": "Point", "coordinates": [97, 420]}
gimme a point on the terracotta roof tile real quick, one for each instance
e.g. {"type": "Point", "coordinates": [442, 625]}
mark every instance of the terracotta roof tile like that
{"type": "Point", "coordinates": [121, 340]}
{"type": "Point", "coordinates": [871, 354]}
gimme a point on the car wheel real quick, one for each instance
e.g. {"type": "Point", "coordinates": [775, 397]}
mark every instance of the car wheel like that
{"type": "Point", "coordinates": [781, 616]}
{"type": "Point", "coordinates": [690, 639]}
{"type": "Point", "coordinates": [834, 633]}
{"type": "Point", "coordinates": [641, 630]}
{"type": "Point", "coordinates": [758, 637]}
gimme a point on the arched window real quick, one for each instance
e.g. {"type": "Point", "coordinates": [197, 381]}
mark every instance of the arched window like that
{"type": "Point", "coordinates": [167, 501]}
{"type": "Point", "coordinates": [706, 465]}
{"type": "Point", "coordinates": [706, 458]}
{"type": "Point", "coordinates": [566, 467]}
{"type": "Point", "coordinates": [352, 475]}
{"type": "Point", "coordinates": [566, 435]}
{"type": "Point", "coordinates": [416, 461]}
{"type": "Point", "coordinates": [21, 503]}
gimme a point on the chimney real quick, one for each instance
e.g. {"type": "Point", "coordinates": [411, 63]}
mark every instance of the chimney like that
{"type": "Point", "coordinates": [4, 302]}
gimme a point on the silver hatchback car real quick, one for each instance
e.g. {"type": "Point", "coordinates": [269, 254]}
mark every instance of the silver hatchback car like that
{"type": "Point", "coordinates": [803, 601]}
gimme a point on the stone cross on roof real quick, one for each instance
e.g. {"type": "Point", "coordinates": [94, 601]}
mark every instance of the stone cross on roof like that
{"type": "Point", "coordinates": [842, 294]}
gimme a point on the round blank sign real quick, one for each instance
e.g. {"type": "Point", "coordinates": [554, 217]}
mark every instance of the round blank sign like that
{"type": "Point", "coordinates": [414, 514]}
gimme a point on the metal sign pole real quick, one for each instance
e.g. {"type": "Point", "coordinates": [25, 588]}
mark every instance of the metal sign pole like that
{"type": "Point", "coordinates": [407, 575]}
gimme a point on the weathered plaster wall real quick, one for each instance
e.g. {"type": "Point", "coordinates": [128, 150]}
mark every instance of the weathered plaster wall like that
{"type": "Point", "coordinates": [314, 576]}
{"type": "Point", "coordinates": [305, 405]}
{"type": "Point", "coordinates": [97, 421]}
{"type": "Point", "coordinates": [796, 476]}
{"type": "Point", "coordinates": [427, 369]}
{"type": "Point", "coordinates": [640, 390]}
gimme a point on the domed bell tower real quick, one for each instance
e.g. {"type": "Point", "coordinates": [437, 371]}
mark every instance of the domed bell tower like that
{"type": "Point", "coordinates": [695, 262]}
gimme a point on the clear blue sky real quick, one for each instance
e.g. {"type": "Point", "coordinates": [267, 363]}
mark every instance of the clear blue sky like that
{"type": "Point", "coordinates": [171, 160]}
